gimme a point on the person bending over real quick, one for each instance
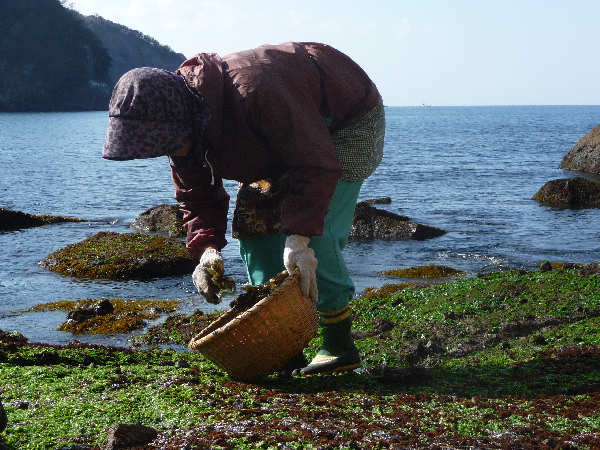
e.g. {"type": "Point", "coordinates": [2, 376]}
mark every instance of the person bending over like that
{"type": "Point", "coordinates": [300, 126]}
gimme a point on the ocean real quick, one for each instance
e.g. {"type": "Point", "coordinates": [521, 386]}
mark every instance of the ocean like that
{"type": "Point", "coordinates": [469, 170]}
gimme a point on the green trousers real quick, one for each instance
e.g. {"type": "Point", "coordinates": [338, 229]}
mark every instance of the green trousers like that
{"type": "Point", "coordinates": [263, 256]}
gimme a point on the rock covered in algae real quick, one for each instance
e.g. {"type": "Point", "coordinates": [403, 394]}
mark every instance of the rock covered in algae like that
{"type": "Point", "coordinates": [577, 192]}
{"type": "Point", "coordinates": [104, 316]}
{"type": "Point", "coordinates": [431, 271]}
{"type": "Point", "coordinates": [372, 223]}
{"type": "Point", "coordinates": [16, 220]}
{"type": "Point", "coordinates": [122, 256]}
{"type": "Point", "coordinates": [585, 154]}
{"type": "Point", "coordinates": [163, 219]}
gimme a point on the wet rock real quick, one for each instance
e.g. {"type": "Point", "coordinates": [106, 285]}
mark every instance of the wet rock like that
{"type": "Point", "coordinates": [585, 154]}
{"type": "Point", "coordinates": [16, 220]}
{"type": "Point", "coordinates": [163, 219]}
{"type": "Point", "coordinates": [372, 223]}
{"type": "Point", "coordinates": [378, 201]}
{"type": "Point", "coordinates": [103, 307]}
{"type": "Point", "coordinates": [80, 315]}
{"type": "Point", "coordinates": [546, 266]}
{"type": "Point", "coordinates": [123, 436]}
{"type": "Point", "coordinates": [575, 192]}
{"type": "Point", "coordinates": [383, 325]}
{"type": "Point", "coordinates": [434, 347]}
{"type": "Point", "coordinates": [122, 256]}
{"type": "Point", "coordinates": [182, 364]}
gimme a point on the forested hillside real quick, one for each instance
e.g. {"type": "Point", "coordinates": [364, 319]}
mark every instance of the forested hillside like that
{"type": "Point", "coordinates": [51, 58]}
{"type": "Point", "coordinates": [130, 49]}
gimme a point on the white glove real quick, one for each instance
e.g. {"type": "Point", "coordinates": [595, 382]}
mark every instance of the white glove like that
{"type": "Point", "coordinates": [211, 263]}
{"type": "Point", "coordinates": [297, 254]}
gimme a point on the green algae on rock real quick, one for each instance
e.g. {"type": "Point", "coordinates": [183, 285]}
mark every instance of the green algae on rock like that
{"type": "Point", "coordinates": [16, 220]}
{"type": "Point", "coordinates": [163, 219]}
{"type": "Point", "coordinates": [585, 154]}
{"type": "Point", "coordinates": [577, 192]}
{"type": "Point", "coordinates": [123, 316]}
{"type": "Point", "coordinates": [122, 256]}
{"type": "Point", "coordinates": [429, 271]}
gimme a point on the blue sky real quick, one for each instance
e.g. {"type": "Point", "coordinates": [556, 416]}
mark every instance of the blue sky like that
{"type": "Point", "coordinates": [441, 53]}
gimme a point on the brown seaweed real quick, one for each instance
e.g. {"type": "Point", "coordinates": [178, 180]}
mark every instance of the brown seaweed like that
{"type": "Point", "coordinates": [253, 294]}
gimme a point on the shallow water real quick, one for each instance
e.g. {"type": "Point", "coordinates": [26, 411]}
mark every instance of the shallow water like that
{"type": "Point", "coordinates": [469, 170]}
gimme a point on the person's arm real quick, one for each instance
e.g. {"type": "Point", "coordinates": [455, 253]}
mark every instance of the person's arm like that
{"type": "Point", "coordinates": [204, 206]}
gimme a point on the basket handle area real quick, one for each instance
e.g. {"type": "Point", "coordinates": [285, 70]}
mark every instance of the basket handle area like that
{"type": "Point", "coordinates": [229, 315]}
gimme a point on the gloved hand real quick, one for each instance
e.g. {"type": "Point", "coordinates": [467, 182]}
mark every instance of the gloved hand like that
{"type": "Point", "coordinates": [211, 263]}
{"type": "Point", "coordinates": [297, 254]}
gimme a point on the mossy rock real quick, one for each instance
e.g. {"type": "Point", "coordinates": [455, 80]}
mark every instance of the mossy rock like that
{"type": "Point", "coordinates": [372, 223]}
{"type": "Point", "coordinates": [122, 256]}
{"type": "Point", "coordinates": [585, 154]}
{"type": "Point", "coordinates": [163, 219]}
{"type": "Point", "coordinates": [16, 220]}
{"type": "Point", "coordinates": [576, 192]}
{"type": "Point", "coordinates": [431, 271]}
{"type": "Point", "coordinates": [107, 316]}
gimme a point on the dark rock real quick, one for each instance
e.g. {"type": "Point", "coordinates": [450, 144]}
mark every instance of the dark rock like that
{"type": "Point", "coordinates": [585, 154]}
{"type": "Point", "coordinates": [103, 308]}
{"type": "Point", "coordinates": [122, 256]}
{"type": "Point", "coordinates": [163, 219]}
{"type": "Point", "coordinates": [3, 418]}
{"type": "Point", "coordinates": [576, 192]}
{"type": "Point", "coordinates": [546, 267]}
{"type": "Point", "coordinates": [378, 201]}
{"type": "Point", "coordinates": [128, 435]}
{"type": "Point", "coordinates": [17, 220]}
{"type": "Point", "coordinates": [372, 223]}
{"type": "Point", "coordinates": [80, 315]}
{"type": "Point", "coordinates": [433, 347]}
{"type": "Point", "coordinates": [383, 325]}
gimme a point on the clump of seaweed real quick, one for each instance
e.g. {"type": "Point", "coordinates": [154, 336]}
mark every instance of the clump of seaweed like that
{"type": "Point", "coordinates": [93, 316]}
{"type": "Point", "coordinates": [432, 271]}
{"type": "Point", "coordinates": [223, 283]}
{"type": "Point", "coordinates": [122, 256]}
{"type": "Point", "coordinates": [384, 291]}
{"type": "Point", "coordinates": [253, 294]}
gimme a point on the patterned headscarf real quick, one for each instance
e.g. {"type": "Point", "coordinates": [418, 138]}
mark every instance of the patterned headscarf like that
{"type": "Point", "coordinates": [152, 113]}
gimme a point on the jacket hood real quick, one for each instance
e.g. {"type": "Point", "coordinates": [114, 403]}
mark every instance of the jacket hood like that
{"type": "Point", "coordinates": [151, 114]}
{"type": "Point", "coordinates": [204, 74]}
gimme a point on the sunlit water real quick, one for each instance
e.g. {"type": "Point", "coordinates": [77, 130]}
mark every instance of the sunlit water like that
{"type": "Point", "coordinates": [469, 170]}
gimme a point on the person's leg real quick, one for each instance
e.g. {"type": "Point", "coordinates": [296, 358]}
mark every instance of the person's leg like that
{"type": "Point", "coordinates": [263, 257]}
{"type": "Point", "coordinates": [335, 286]}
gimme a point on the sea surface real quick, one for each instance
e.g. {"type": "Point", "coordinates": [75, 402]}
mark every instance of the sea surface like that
{"type": "Point", "coordinates": [469, 170]}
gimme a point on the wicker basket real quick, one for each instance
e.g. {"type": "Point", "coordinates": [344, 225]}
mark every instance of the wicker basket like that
{"type": "Point", "coordinates": [257, 342]}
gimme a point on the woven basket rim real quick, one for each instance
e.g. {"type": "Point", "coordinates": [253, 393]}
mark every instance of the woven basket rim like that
{"type": "Point", "coordinates": [227, 320]}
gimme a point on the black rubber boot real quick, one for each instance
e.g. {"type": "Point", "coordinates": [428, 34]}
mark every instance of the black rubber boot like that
{"type": "Point", "coordinates": [338, 353]}
{"type": "Point", "coordinates": [3, 418]}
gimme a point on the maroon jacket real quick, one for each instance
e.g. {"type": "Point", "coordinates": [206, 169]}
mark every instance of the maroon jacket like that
{"type": "Point", "coordinates": [270, 109]}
